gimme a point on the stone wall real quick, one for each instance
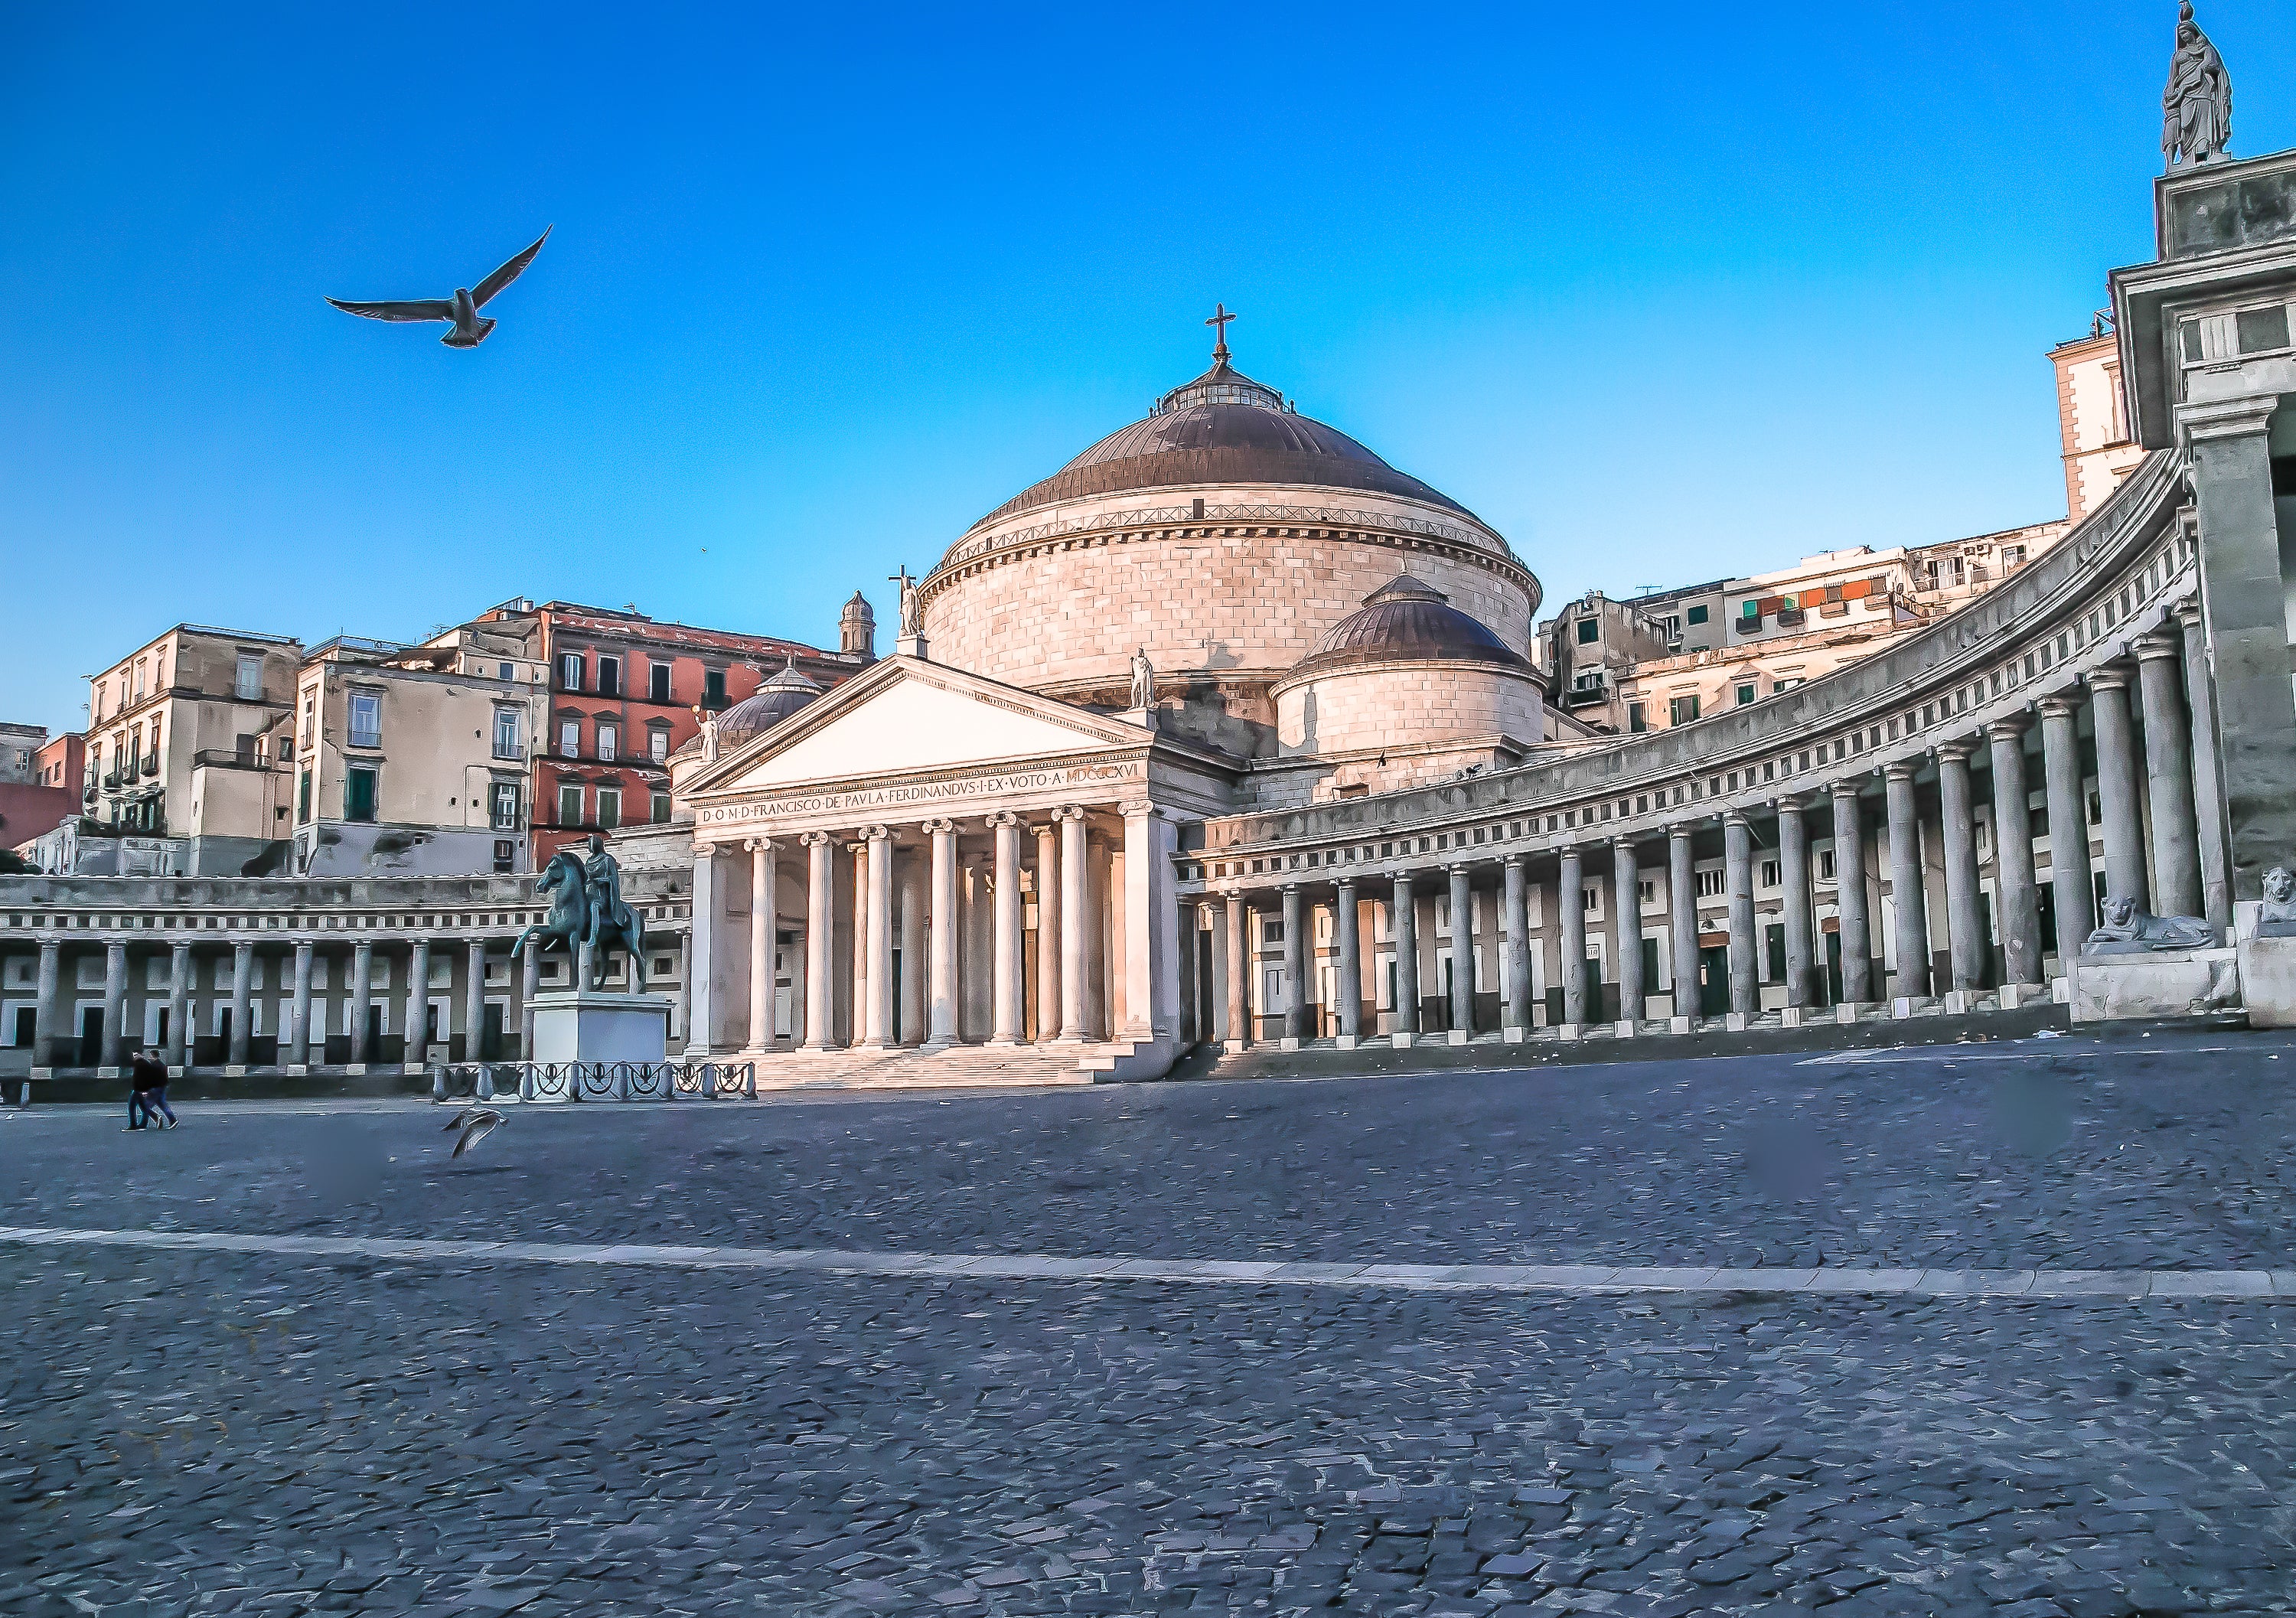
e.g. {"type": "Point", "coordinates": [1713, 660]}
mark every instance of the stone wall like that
{"type": "Point", "coordinates": [1399, 704]}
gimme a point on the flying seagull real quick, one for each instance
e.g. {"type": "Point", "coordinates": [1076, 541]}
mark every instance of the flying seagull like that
{"type": "Point", "coordinates": [470, 328]}
{"type": "Point", "coordinates": [476, 1124]}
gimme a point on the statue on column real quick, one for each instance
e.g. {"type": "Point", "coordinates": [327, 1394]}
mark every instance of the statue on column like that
{"type": "Point", "coordinates": [2196, 107]}
{"type": "Point", "coordinates": [1144, 680]}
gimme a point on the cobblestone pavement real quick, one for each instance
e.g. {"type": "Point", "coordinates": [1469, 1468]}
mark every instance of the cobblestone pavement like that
{"type": "Point", "coordinates": [195, 1431]}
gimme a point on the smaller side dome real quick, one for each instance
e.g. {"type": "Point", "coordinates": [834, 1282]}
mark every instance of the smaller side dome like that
{"type": "Point", "coordinates": [774, 702]}
{"type": "Point", "coordinates": [1406, 621]}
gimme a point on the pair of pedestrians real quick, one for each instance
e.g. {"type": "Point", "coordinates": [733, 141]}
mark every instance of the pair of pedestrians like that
{"type": "Point", "coordinates": [147, 1095]}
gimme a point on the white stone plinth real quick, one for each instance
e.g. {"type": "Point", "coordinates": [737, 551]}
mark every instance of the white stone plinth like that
{"type": "Point", "coordinates": [586, 1026]}
{"type": "Point", "coordinates": [2158, 983]}
{"type": "Point", "coordinates": [2267, 980]}
{"type": "Point", "coordinates": [1402, 1041]}
{"type": "Point", "coordinates": [1677, 1025]}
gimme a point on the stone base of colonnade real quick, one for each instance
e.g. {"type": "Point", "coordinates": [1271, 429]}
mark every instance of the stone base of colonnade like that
{"type": "Point", "coordinates": [913, 1067]}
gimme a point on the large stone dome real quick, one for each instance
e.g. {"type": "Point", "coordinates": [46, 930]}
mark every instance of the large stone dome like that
{"type": "Point", "coordinates": [1221, 428]}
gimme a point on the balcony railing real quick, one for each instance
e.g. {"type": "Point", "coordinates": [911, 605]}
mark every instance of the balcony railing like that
{"type": "Point", "coordinates": [365, 738]}
{"type": "Point", "coordinates": [148, 765]}
{"type": "Point", "coordinates": [511, 752]}
{"type": "Point", "coordinates": [222, 758]}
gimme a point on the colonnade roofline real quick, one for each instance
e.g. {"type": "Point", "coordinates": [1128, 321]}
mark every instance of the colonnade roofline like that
{"type": "Point", "coordinates": [2073, 614]}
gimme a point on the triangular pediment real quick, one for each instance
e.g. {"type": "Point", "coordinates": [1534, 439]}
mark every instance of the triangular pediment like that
{"type": "Point", "coordinates": [906, 715]}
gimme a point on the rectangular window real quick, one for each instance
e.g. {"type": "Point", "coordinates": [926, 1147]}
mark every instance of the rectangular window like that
{"type": "Point", "coordinates": [505, 854]}
{"type": "Point", "coordinates": [1683, 711]}
{"type": "Point", "coordinates": [658, 683]}
{"type": "Point", "coordinates": [1695, 615]}
{"type": "Point", "coordinates": [505, 671]}
{"type": "Point", "coordinates": [504, 806]}
{"type": "Point", "coordinates": [139, 679]}
{"type": "Point", "coordinates": [660, 808]}
{"type": "Point", "coordinates": [1750, 612]}
{"type": "Point", "coordinates": [249, 685]}
{"type": "Point", "coordinates": [570, 804]}
{"type": "Point", "coordinates": [610, 738]}
{"type": "Point", "coordinates": [507, 735]}
{"type": "Point", "coordinates": [657, 743]}
{"type": "Point", "coordinates": [359, 793]}
{"type": "Point", "coordinates": [1635, 719]}
{"type": "Point", "coordinates": [1745, 694]}
{"type": "Point", "coordinates": [1590, 631]}
{"type": "Point", "coordinates": [367, 720]}
{"type": "Point", "coordinates": [1769, 873]}
{"type": "Point", "coordinates": [569, 738]}
{"type": "Point", "coordinates": [1826, 865]}
{"type": "Point", "coordinates": [570, 671]}
{"type": "Point", "coordinates": [303, 797]}
{"type": "Point", "coordinates": [2260, 329]}
{"type": "Point", "coordinates": [609, 677]}
{"type": "Point", "coordinates": [713, 688]}
{"type": "Point", "coordinates": [1708, 884]}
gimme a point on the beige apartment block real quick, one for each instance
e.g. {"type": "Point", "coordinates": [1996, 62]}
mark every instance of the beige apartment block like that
{"type": "Point", "coordinates": [2093, 419]}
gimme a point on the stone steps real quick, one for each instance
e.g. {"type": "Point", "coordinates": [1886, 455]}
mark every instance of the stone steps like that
{"type": "Point", "coordinates": [909, 1068]}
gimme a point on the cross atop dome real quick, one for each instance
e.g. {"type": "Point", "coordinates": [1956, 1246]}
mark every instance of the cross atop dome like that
{"type": "Point", "coordinates": [1218, 323]}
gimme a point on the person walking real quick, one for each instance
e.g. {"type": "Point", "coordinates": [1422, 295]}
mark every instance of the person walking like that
{"type": "Point", "coordinates": [149, 1076]}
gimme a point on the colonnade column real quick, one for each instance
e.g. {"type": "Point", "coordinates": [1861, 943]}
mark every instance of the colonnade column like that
{"type": "Point", "coordinates": [2067, 811]}
{"type": "Point", "coordinates": [1295, 987]}
{"type": "Point", "coordinates": [45, 1008]}
{"type": "Point", "coordinates": [1570, 912]}
{"type": "Point", "coordinates": [879, 863]}
{"type": "Point", "coordinates": [1518, 1022]}
{"type": "Point", "coordinates": [820, 941]}
{"type": "Point", "coordinates": [1239, 974]}
{"type": "Point", "coordinates": [243, 967]}
{"type": "Point", "coordinates": [298, 1052]}
{"type": "Point", "coordinates": [475, 994]}
{"type": "Point", "coordinates": [909, 882]}
{"type": "Point", "coordinates": [1076, 911]}
{"type": "Point", "coordinates": [1006, 1023]}
{"type": "Point", "coordinates": [1908, 903]}
{"type": "Point", "coordinates": [1965, 941]}
{"type": "Point", "coordinates": [940, 1013]}
{"type": "Point", "coordinates": [1855, 931]}
{"type": "Point", "coordinates": [1682, 921]}
{"type": "Point", "coordinates": [2116, 788]}
{"type": "Point", "coordinates": [1350, 974]}
{"type": "Point", "coordinates": [1048, 930]}
{"type": "Point", "coordinates": [418, 1001]}
{"type": "Point", "coordinates": [1150, 944]}
{"type": "Point", "coordinates": [2016, 891]}
{"type": "Point", "coordinates": [2207, 773]}
{"type": "Point", "coordinates": [761, 942]}
{"type": "Point", "coordinates": [363, 1002]}
{"type": "Point", "coordinates": [529, 985]}
{"type": "Point", "coordinates": [179, 1006]}
{"type": "Point", "coordinates": [1405, 925]}
{"type": "Point", "coordinates": [1463, 957]}
{"type": "Point", "coordinates": [1626, 932]}
{"type": "Point", "coordinates": [1793, 873]}
{"type": "Point", "coordinates": [1738, 882]}
{"type": "Point", "coordinates": [112, 1050]}
{"type": "Point", "coordinates": [2169, 768]}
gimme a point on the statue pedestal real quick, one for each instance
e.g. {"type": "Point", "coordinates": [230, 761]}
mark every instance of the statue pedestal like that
{"type": "Point", "coordinates": [2153, 983]}
{"type": "Point", "coordinates": [586, 1025]}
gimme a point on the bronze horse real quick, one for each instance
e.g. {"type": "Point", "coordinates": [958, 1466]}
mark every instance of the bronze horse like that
{"type": "Point", "coordinates": [578, 924]}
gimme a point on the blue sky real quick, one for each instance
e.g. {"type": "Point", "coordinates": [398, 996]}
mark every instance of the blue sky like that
{"type": "Point", "coordinates": [1662, 291]}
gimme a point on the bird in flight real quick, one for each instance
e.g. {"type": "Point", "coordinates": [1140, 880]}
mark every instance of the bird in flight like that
{"type": "Point", "coordinates": [475, 1123]}
{"type": "Point", "coordinates": [470, 328]}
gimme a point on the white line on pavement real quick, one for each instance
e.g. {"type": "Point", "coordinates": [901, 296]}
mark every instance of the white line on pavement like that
{"type": "Point", "coordinates": [1580, 1279]}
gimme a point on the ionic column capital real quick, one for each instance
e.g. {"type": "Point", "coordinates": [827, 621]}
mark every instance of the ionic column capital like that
{"type": "Point", "coordinates": [1846, 787]}
{"type": "Point", "coordinates": [2158, 647]}
{"type": "Point", "coordinates": [943, 827]}
{"type": "Point", "coordinates": [2008, 728]}
{"type": "Point", "coordinates": [758, 845]}
{"type": "Point", "coordinates": [2187, 613]}
{"type": "Point", "coordinates": [814, 840]}
{"type": "Point", "coordinates": [1136, 811]}
{"type": "Point", "coordinates": [2059, 706]}
{"type": "Point", "coordinates": [1902, 769]}
{"type": "Point", "coordinates": [1735, 817]}
{"type": "Point", "coordinates": [1002, 818]}
{"type": "Point", "coordinates": [2113, 676]}
{"type": "Point", "coordinates": [1789, 802]}
{"type": "Point", "coordinates": [1682, 832]}
{"type": "Point", "coordinates": [1069, 811]}
{"type": "Point", "coordinates": [1346, 885]}
{"type": "Point", "coordinates": [1956, 751]}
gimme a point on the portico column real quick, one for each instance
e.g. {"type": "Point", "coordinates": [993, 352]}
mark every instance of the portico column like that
{"type": "Point", "coordinates": [1403, 923]}
{"type": "Point", "coordinates": [2117, 787]}
{"type": "Point", "coordinates": [1239, 973]}
{"type": "Point", "coordinates": [1295, 985]}
{"type": "Point", "coordinates": [475, 992]}
{"type": "Point", "coordinates": [1682, 919]}
{"type": "Point", "coordinates": [418, 998]}
{"type": "Point", "coordinates": [2068, 809]}
{"type": "Point", "coordinates": [2168, 769]}
{"type": "Point", "coordinates": [761, 942]}
{"type": "Point", "coordinates": [820, 941]}
{"type": "Point", "coordinates": [2245, 598]}
{"type": "Point", "coordinates": [909, 883]}
{"type": "Point", "coordinates": [1570, 910]}
{"type": "Point", "coordinates": [1855, 931]}
{"type": "Point", "coordinates": [1626, 932]}
{"type": "Point", "coordinates": [1151, 923]}
{"type": "Point", "coordinates": [1048, 932]}
{"type": "Point", "coordinates": [179, 1008]}
{"type": "Point", "coordinates": [45, 1007]}
{"type": "Point", "coordinates": [298, 1052]}
{"type": "Point", "coordinates": [2208, 772]}
{"type": "Point", "coordinates": [1350, 984]}
{"type": "Point", "coordinates": [1965, 940]}
{"type": "Point", "coordinates": [941, 1024]}
{"type": "Point", "coordinates": [530, 984]}
{"type": "Point", "coordinates": [1738, 882]}
{"type": "Point", "coordinates": [1075, 918]}
{"type": "Point", "coordinates": [1516, 930]}
{"type": "Point", "coordinates": [704, 1019]}
{"type": "Point", "coordinates": [2016, 891]}
{"type": "Point", "coordinates": [1005, 966]}
{"type": "Point", "coordinates": [1793, 869]}
{"type": "Point", "coordinates": [363, 1001]}
{"type": "Point", "coordinates": [879, 863]}
{"type": "Point", "coordinates": [112, 1050]}
{"type": "Point", "coordinates": [862, 985]}
{"type": "Point", "coordinates": [243, 965]}
{"type": "Point", "coordinates": [1463, 957]}
{"type": "Point", "coordinates": [1909, 907]}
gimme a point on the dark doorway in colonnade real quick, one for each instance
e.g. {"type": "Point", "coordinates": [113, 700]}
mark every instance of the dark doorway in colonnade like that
{"type": "Point", "coordinates": [1208, 1010]}
{"type": "Point", "coordinates": [28, 1020]}
{"type": "Point", "coordinates": [91, 1035]}
{"type": "Point", "coordinates": [1833, 966]}
{"type": "Point", "coordinates": [162, 1041]}
{"type": "Point", "coordinates": [1713, 980]}
{"type": "Point", "coordinates": [490, 1032]}
{"type": "Point", "coordinates": [374, 1034]}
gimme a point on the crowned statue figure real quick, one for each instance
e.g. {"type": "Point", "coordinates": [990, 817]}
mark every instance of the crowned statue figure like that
{"type": "Point", "coordinates": [2196, 107]}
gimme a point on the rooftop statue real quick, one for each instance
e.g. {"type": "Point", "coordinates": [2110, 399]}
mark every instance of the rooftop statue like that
{"type": "Point", "coordinates": [2196, 107]}
{"type": "Point", "coordinates": [2129, 931]}
{"type": "Point", "coordinates": [1144, 680]}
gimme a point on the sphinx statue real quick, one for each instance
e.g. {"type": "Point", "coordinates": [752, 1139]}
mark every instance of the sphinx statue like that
{"type": "Point", "coordinates": [2129, 931]}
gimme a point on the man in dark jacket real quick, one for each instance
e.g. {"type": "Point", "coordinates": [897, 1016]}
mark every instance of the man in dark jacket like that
{"type": "Point", "coordinates": [147, 1101]}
